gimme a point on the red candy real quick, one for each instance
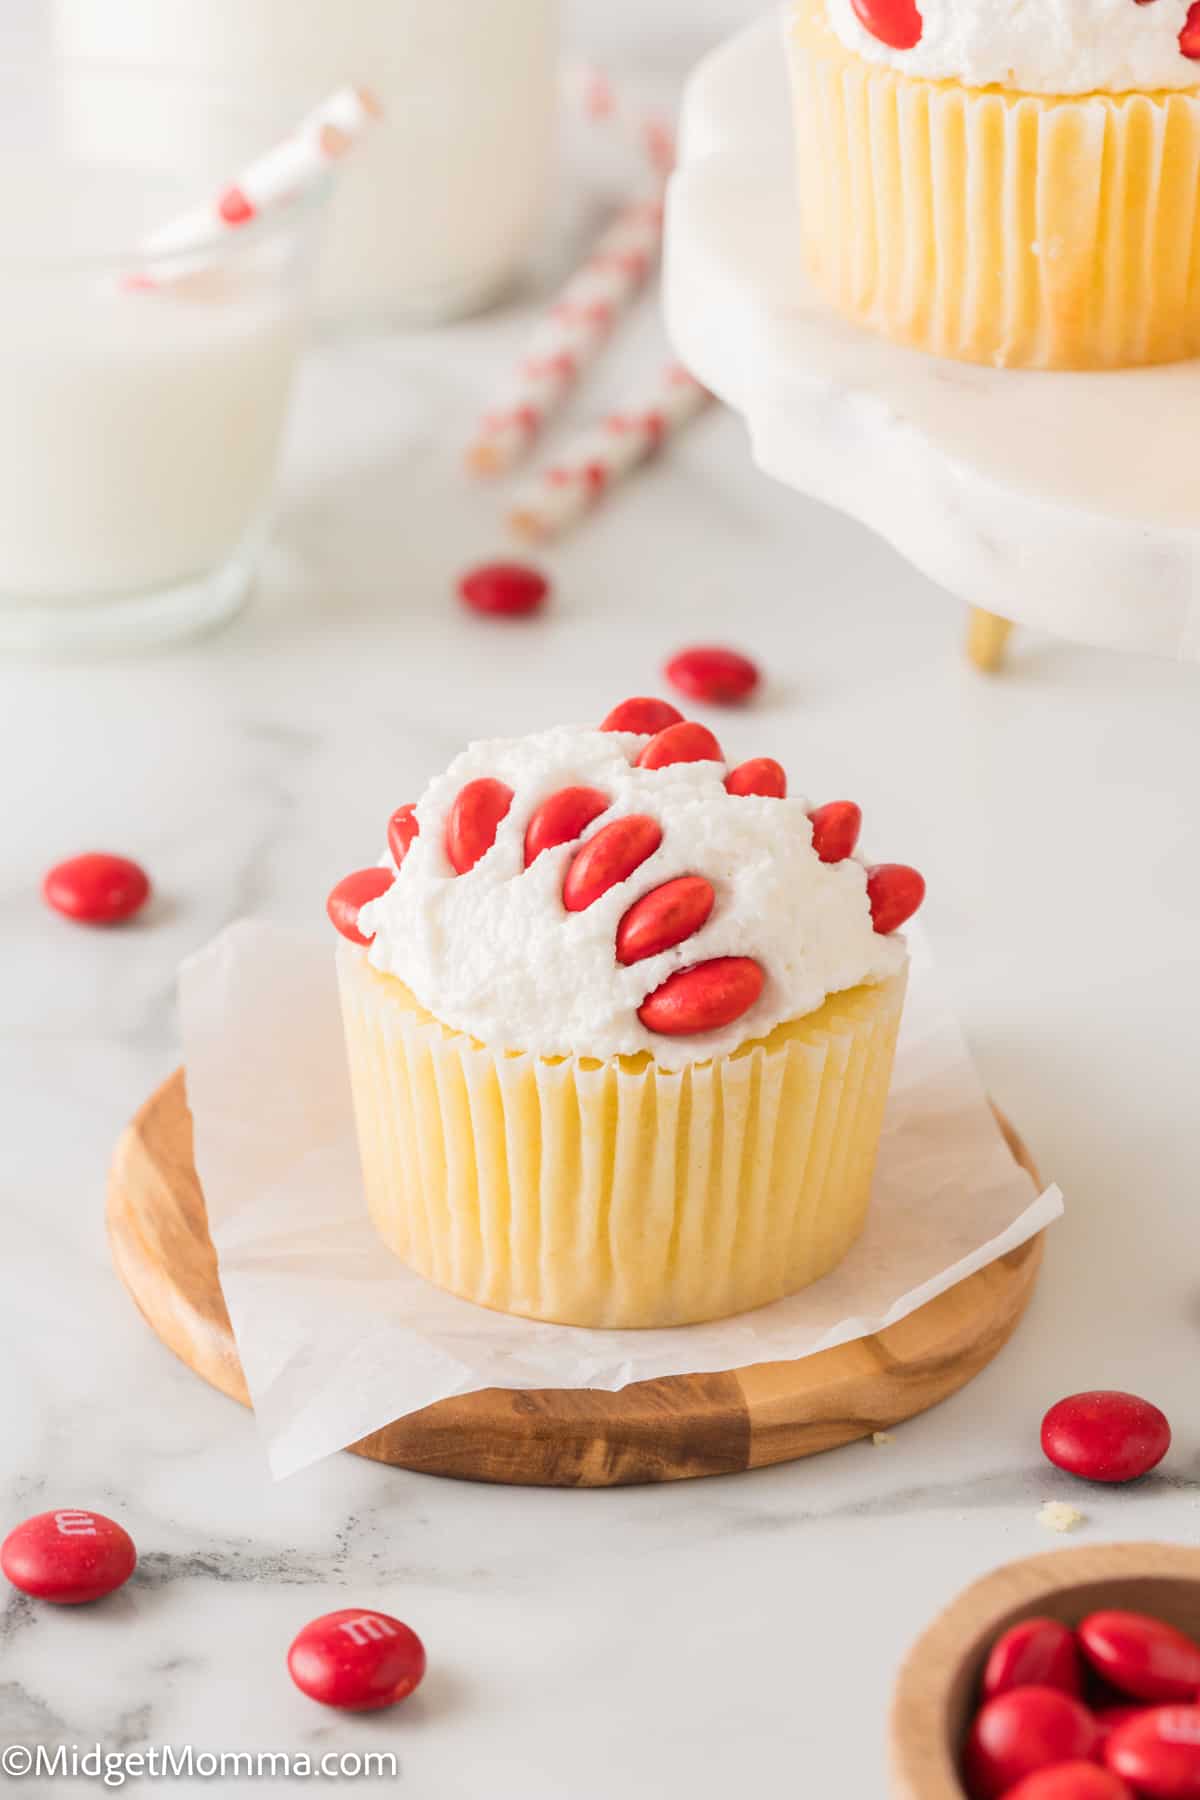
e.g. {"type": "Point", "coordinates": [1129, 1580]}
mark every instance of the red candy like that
{"type": "Point", "coordinates": [1189, 37]}
{"type": "Point", "coordinates": [708, 672]}
{"type": "Point", "coordinates": [896, 23]}
{"type": "Point", "coordinates": [1071, 1781]}
{"type": "Point", "coordinates": [1159, 1753]}
{"type": "Point", "coordinates": [1035, 1653]}
{"type": "Point", "coordinates": [682, 743]}
{"type": "Point", "coordinates": [1141, 1656]}
{"type": "Point", "coordinates": [762, 775]}
{"type": "Point", "coordinates": [703, 998]}
{"type": "Point", "coordinates": [504, 590]}
{"type": "Point", "coordinates": [664, 917]}
{"type": "Point", "coordinates": [836, 826]}
{"type": "Point", "coordinates": [357, 1661]}
{"type": "Point", "coordinates": [351, 895]}
{"type": "Point", "coordinates": [562, 818]}
{"type": "Point", "coordinates": [97, 888]}
{"type": "Point", "coordinates": [1105, 1436]}
{"type": "Point", "coordinates": [474, 821]}
{"type": "Point", "coordinates": [608, 858]}
{"type": "Point", "coordinates": [643, 716]}
{"type": "Point", "coordinates": [894, 892]}
{"type": "Point", "coordinates": [402, 829]}
{"type": "Point", "coordinates": [1024, 1730]}
{"type": "Point", "coordinates": [68, 1557]}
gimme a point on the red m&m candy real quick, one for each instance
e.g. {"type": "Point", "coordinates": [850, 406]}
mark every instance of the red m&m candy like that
{"type": "Point", "coordinates": [896, 23]}
{"type": "Point", "coordinates": [1024, 1730]}
{"type": "Point", "coordinates": [97, 888]}
{"type": "Point", "coordinates": [1141, 1656]}
{"type": "Point", "coordinates": [642, 715]}
{"type": "Point", "coordinates": [504, 590]}
{"type": "Point", "coordinates": [1159, 1753]}
{"type": "Point", "coordinates": [357, 1661]}
{"type": "Point", "coordinates": [710, 672]}
{"type": "Point", "coordinates": [1035, 1653]}
{"type": "Point", "coordinates": [1105, 1435]}
{"type": "Point", "coordinates": [69, 1556]}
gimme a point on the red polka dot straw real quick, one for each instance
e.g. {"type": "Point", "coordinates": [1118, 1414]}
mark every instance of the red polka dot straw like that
{"type": "Point", "coordinates": [604, 455]}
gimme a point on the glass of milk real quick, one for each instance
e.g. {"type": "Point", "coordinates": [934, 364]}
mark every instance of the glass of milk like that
{"type": "Point", "coordinates": [142, 397]}
{"type": "Point", "coordinates": [439, 212]}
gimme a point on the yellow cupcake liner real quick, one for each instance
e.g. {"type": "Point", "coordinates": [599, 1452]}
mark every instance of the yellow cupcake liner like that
{"type": "Point", "coordinates": [1020, 230]}
{"type": "Point", "coordinates": [615, 1193]}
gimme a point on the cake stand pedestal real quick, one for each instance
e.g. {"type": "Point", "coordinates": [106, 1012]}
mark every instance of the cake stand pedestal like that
{"type": "Point", "coordinates": [1070, 502]}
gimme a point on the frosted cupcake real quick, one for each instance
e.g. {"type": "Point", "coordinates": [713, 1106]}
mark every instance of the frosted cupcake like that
{"type": "Point", "coordinates": [620, 1025]}
{"type": "Point", "coordinates": [1013, 182]}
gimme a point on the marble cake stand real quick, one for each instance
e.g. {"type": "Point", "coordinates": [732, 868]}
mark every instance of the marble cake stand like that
{"type": "Point", "coordinates": [1070, 502]}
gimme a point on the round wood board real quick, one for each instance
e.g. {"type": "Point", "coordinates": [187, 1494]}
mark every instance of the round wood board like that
{"type": "Point", "coordinates": [663, 1430]}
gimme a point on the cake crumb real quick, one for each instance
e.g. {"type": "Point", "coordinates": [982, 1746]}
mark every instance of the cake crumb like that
{"type": "Point", "coordinates": [882, 1437]}
{"type": "Point", "coordinates": [1056, 1515]}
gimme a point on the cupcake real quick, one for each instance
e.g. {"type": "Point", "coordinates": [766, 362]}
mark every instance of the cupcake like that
{"type": "Point", "coordinates": [620, 1024]}
{"type": "Point", "coordinates": [1013, 182]}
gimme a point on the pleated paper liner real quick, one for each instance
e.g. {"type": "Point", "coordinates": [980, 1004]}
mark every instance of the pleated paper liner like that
{"type": "Point", "coordinates": [1018, 230]}
{"type": "Point", "coordinates": [618, 1194]}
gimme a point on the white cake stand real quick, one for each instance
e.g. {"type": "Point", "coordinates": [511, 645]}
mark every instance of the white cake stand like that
{"type": "Point", "coordinates": [1066, 501]}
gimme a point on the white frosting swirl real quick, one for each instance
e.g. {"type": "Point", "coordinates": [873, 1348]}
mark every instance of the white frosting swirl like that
{"type": "Point", "coordinates": [1038, 46]}
{"type": "Point", "coordinates": [495, 954]}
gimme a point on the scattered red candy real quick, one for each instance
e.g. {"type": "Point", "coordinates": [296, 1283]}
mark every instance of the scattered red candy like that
{"type": "Point", "coordinates": [896, 23]}
{"type": "Point", "coordinates": [1159, 1753]}
{"type": "Point", "coordinates": [608, 858]}
{"type": "Point", "coordinates": [402, 829]}
{"type": "Point", "coordinates": [895, 892]}
{"type": "Point", "coordinates": [1141, 1656]}
{"type": "Point", "coordinates": [1189, 37]}
{"type": "Point", "coordinates": [642, 716]}
{"type": "Point", "coordinates": [1105, 1435]}
{"type": "Point", "coordinates": [836, 826]}
{"type": "Point", "coordinates": [562, 818]}
{"type": "Point", "coordinates": [474, 821]}
{"type": "Point", "coordinates": [703, 998]}
{"type": "Point", "coordinates": [349, 897]}
{"type": "Point", "coordinates": [504, 590]}
{"type": "Point", "coordinates": [68, 1557]}
{"type": "Point", "coordinates": [710, 673]}
{"type": "Point", "coordinates": [357, 1661]}
{"type": "Point", "coordinates": [1024, 1730]}
{"type": "Point", "coordinates": [1071, 1781]}
{"type": "Point", "coordinates": [664, 917]}
{"type": "Point", "coordinates": [762, 775]}
{"type": "Point", "coordinates": [682, 743]}
{"type": "Point", "coordinates": [97, 888]}
{"type": "Point", "coordinates": [1035, 1653]}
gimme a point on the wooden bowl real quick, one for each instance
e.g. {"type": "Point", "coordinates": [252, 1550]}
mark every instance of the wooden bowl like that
{"type": "Point", "coordinates": [938, 1684]}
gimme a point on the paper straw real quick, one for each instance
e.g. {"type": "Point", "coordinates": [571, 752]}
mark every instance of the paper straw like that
{"type": "Point", "coordinates": [570, 337]}
{"type": "Point", "coordinates": [605, 455]}
{"type": "Point", "coordinates": [273, 180]}
{"type": "Point", "coordinates": [589, 90]}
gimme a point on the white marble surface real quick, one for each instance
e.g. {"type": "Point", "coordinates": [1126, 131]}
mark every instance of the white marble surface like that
{"type": "Point", "coordinates": [732, 1634]}
{"type": "Point", "coordinates": [1013, 488]}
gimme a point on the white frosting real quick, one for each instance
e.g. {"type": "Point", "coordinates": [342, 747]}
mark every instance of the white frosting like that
{"type": "Point", "coordinates": [1038, 46]}
{"type": "Point", "coordinates": [495, 954]}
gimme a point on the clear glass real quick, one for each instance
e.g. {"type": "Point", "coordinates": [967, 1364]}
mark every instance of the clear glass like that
{"type": "Point", "coordinates": [144, 395]}
{"type": "Point", "coordinates": [440, 210]}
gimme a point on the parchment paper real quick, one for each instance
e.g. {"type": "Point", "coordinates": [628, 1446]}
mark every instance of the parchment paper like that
{"type": "Point", "coordinates": [337, 1338]}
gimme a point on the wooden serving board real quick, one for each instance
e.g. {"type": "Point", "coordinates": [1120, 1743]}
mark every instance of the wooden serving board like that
{"type": "Point", "coordinates": [661, 1430]}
